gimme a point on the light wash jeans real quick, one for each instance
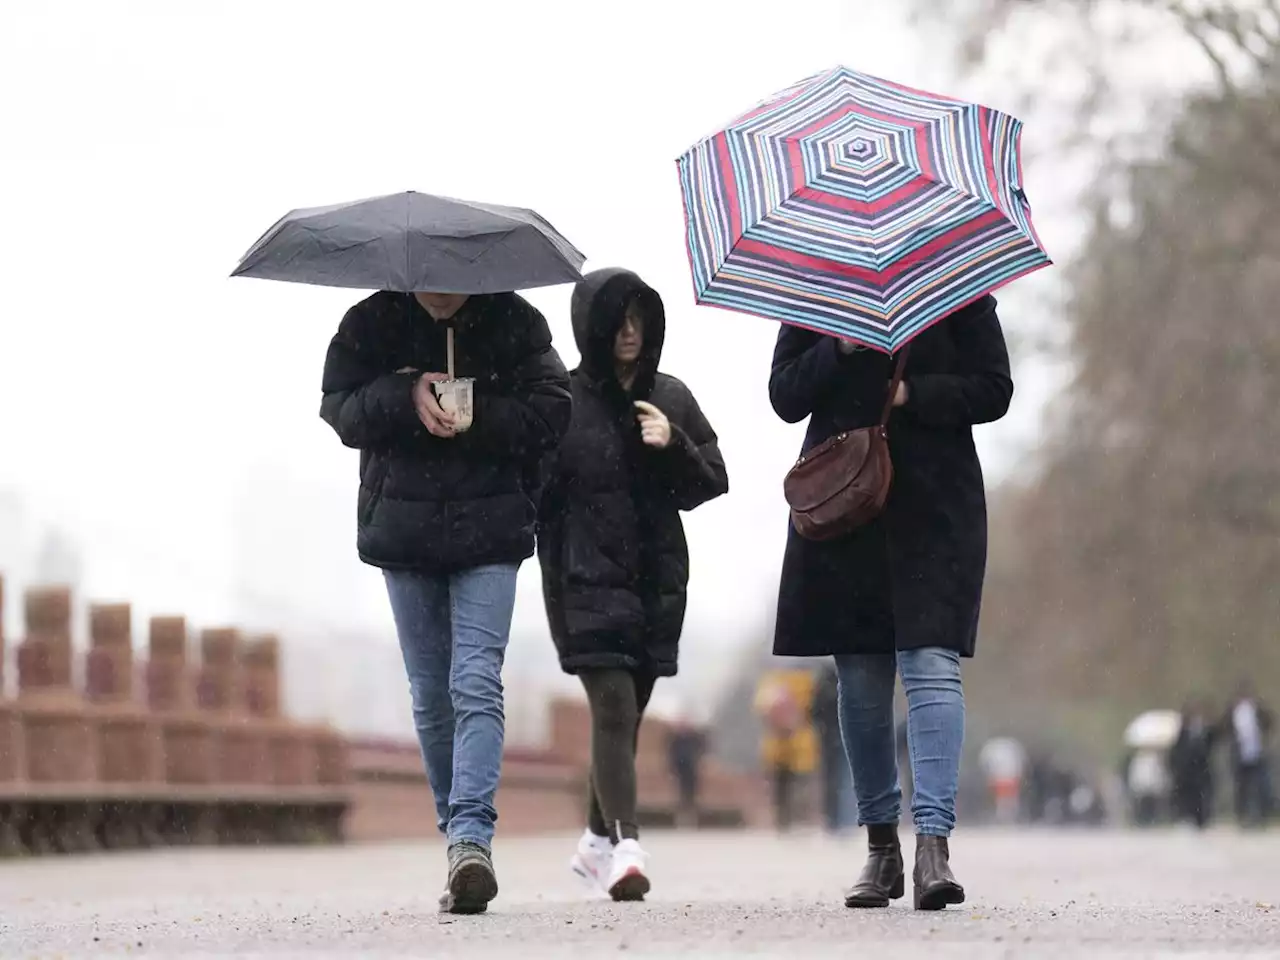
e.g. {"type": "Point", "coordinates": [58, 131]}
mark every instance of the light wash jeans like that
{"type": "Point", "coordinates": [453, 633]}
{"type": "Point", "coordinates": [935, 734]}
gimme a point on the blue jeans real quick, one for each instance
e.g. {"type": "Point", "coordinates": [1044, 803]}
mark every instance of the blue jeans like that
{"type": "Point", "coordinates": [935, 734]}
{"type": "Point", "coordinates": [453, 633]}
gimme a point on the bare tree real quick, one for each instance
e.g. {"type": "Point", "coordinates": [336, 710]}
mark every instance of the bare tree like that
{"type": "Point", "coordinates": [1142, 564]}
{"type": "Point", "coordinates": [1096, 74]}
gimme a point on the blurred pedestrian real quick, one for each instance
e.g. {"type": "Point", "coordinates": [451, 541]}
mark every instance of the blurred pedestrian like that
{"type": "Point", "coordinates": [615, 564]}
{"type": "Point", "coordinates": [900, 595]}
{"type": "Point", "coordinates": [837, 782]}
{"type": "Point", "coordinates": [1249, 723]}
{"type": "Point", "coordinates": [1148, 784]}
{"type": "Point", "coordinates": [1191, 760]}
{"type": "Point", "coordinates": [789, 745]}
{"type": "Point", "coordinates": [686, 746]}
{"type": "Point", "coordinates": [446, 509]}
{"type": "Point", "coordinates": [1004, 760]}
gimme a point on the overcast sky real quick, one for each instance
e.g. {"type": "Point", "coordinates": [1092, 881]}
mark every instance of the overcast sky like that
{"type": "Point", "coordinates": [167, 415]}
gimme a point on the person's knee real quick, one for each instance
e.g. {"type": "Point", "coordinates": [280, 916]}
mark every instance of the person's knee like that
{"type": "Point", "coordinates": [432, 706]}
{"type": "Point", "coordinates": [475, 685]}
{"type": "Point", "coordinates": [613, 702]}
{"type": "Point", "coordinates": [932, 667]}
{"type": "Point", "coordinates": [865, 681]}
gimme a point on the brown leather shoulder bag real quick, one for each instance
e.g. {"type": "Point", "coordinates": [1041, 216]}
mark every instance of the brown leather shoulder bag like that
{"type": "Point", "coordinates": [843, 482]}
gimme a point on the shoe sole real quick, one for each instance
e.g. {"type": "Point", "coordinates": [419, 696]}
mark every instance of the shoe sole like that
{"type": "Point", "coordinates": [896, 892]}
{"type": "Point", "coordinates": [631, 887]}
{"type": "Point", "coordinates": [939, 899]}
{"type": "Point", "coordinates": [471, 888]}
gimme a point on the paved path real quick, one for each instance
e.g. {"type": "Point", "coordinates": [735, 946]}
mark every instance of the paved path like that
{"type": "Point", "coordinates": [1032, 894]}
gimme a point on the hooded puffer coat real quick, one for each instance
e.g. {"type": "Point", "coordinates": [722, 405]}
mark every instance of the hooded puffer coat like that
{"type": "Point", "coordinates": [615, 563]}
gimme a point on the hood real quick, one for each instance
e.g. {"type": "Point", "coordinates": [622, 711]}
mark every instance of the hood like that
{"type": "Point", "coordinates": [597, 308]}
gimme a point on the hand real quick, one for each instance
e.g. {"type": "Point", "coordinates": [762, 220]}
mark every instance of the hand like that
{"type": "Point", "coordinates": [655, 428]}
{"type": "Point", "coordinates": [904, 392]}
{"type": "Point", "coordinates": [433, 417]}
{"type": "Point", "coordinates": [846, 346]}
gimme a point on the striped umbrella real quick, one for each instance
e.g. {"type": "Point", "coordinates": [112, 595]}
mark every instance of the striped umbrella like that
{"type": "Point", "coordinates": [858, 207]}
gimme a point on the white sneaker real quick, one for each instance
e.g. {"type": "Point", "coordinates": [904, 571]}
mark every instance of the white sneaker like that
{"type": "Point", "coordinates": [627, 877]}
{"type": "Point", "coordinates": [591, 862]}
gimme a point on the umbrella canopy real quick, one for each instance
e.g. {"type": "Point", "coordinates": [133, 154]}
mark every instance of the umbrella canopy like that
{"type": "Point", "coordinates": [857, 207]}
{"type": "Point", "coordinates": [1153, 730]}
{"type": "Point", "coordinates": [411, 242]}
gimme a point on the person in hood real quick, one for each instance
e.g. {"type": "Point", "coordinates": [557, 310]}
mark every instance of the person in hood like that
{"type": "Point", "coordinates": [615, 564]}
{"type": "Point", "coordinates": [447, 509]}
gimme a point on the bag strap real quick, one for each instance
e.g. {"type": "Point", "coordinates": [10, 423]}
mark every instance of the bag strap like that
{"type": "Point", "coordinates": [898, 372]}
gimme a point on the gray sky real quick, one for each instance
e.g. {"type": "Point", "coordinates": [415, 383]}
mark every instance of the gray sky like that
{"type": "Point", "coordinates": [167, 415]}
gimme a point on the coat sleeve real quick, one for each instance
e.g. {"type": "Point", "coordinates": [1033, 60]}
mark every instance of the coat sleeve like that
{"type": "Point", "coordinates": [807, 369]}
{"type": "Point", "coordinates": [367, 407]}
{"type": "Point", "coordinates": [805, 364]}
{"type": "Point", "coordinates": [981, 389]}
{"type": "Point", "coordinates": [553, 501]}
{"type": "Point", "coordinates": [529, 415]}
{"type": "Point", "coordinates": [693, 468]}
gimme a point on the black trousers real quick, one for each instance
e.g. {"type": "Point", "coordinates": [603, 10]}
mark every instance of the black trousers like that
{"type": "Point", "coordinates": [618, 699]}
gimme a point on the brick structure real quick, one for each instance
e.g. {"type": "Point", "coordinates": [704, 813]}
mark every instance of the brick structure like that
{"type": "Point", "coordinates": [391, 799]}
{"type": "Point", "coordinates": [181, 760]}
{"type": "Point", "coordinates": [130, 738]}
{"type": "Point", "coordinates": [261, 664]}
{"type": "Point", "coordinates": [109, 662]}
{"type": "Point", "coordinates": [44, 657]}
{"type": "Point", "coordinates": [12, 765]}
{"type": "Point", "coordinates": [292, 748]}
{"type": "Point", "coordinates": [168, 678]}
{"type": "Point", "coordinates": [243, 750]}
{"type": "Point", "coordinates": [333, 761]}
{"type": "Point", "coordinates": [58, 730]}
{"type": "Point", "coordinates": [221, 677]}
{"type": "Point", "coordinates": [188, 736]}
{"type": "Point", "coordinates": [724, 795]}
{"type": "Point", "coordinates": [543, 790]}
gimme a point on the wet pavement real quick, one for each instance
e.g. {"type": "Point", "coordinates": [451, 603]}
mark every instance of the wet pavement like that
{"type": "Point", "coordinates": [1032, 894]}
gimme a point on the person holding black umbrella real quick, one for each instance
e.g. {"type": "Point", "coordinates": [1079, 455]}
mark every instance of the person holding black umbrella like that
{"type": "Point", "coordinates": [446, 510]}
{"type": "Point", "coordinates": [451, 390]}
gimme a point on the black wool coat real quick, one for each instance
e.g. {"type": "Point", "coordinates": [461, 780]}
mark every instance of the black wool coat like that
{"type": "Point", "coordinates": [443, 505]}
{"type": "Point", "coordinates": [615, 563]}
{"type": "Point", "coordinates": [913, 577]}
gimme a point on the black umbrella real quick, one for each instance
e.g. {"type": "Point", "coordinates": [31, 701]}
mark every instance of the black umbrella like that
{"type": "Point", "coordinates": [409, 242]}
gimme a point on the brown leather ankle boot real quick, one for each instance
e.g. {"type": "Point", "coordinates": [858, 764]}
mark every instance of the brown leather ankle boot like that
{"type": "Point", "coordinates": [882, 879]}
{"type": "Point", "coordinates": [935, 884]}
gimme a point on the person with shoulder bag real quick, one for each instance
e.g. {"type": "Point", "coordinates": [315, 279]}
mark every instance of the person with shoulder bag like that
{"type": "Point", "coordinates": [885, 560]}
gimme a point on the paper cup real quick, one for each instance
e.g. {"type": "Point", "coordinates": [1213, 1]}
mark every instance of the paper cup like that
{"type": "Point", "coordinates": [455, 400]}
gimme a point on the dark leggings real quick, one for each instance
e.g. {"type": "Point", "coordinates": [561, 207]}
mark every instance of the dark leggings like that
{"type": "Point", "coordinates": [617, 699]}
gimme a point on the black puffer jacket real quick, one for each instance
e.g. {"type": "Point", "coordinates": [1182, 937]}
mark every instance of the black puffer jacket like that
{"type": "Point", "coordinates": [433, 504]}
{"type": "Point", "coordinates": [615, 564]}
